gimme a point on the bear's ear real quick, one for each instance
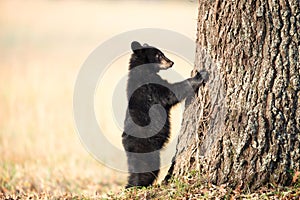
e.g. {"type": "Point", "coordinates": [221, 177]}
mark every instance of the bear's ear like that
{"type": "Point", "coordinates": [145, 45]}
{"type": "Point", "coordinates": [136, 46]}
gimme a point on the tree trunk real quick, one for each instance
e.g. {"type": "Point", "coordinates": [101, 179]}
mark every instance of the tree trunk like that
{"type": "Point", "coordinates": [243, 128]}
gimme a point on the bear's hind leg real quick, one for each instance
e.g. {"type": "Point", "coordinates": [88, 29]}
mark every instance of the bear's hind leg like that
{"type": "Point", "coordinates": [142, 179]}
{"type": "Point", "coordinates": [143, 168]}
{"type": "Point", "coordinates": [148, 178]}
{"type": "Point", "coordinates": [133, 180]}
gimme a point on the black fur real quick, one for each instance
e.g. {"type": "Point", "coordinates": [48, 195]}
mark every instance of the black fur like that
{"type": "Point", "coordinates": [147, 130]}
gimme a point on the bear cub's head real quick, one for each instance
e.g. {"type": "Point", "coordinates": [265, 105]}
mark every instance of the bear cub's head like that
{"type": "Point", "coordinates": [149, 55]}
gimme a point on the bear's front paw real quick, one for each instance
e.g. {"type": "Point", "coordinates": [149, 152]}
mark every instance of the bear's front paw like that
{"type": "Point", "coordinates": [202, 76]}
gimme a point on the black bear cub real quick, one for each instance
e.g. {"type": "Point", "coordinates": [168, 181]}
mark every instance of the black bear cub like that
{"type": "Point", "coordinates": [147, 122]}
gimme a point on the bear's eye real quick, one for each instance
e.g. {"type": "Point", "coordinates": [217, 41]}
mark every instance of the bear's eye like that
{"type": "Point", "coordinates": [158, 56]}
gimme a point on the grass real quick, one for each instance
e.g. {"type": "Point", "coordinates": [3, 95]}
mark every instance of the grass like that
{"type": "Point", "coordinates": [186, 188]}
{"type": "Point", "coordinates": [193, 188]}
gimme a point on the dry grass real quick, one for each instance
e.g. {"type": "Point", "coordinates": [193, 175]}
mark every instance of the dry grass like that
{"type": "Point", "coordinates": [39, 147]}
{"type": "Point", "coordinates": [191, 188]}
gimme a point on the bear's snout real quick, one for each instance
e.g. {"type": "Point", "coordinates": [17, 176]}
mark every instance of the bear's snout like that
{"type": "Point", "coordinates": [166, 64]}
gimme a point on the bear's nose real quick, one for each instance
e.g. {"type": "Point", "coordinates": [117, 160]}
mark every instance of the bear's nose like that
{"type": "Point", "coordinates": [171, 63]}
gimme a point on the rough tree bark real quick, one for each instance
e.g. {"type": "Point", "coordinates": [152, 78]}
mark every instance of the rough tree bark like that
{"type": "Point", "coordinates": [243, 129]}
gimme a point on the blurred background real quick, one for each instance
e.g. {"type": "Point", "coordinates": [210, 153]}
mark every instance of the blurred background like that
{"type": "Point", "coordinates": [43, 44]}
